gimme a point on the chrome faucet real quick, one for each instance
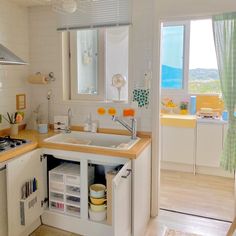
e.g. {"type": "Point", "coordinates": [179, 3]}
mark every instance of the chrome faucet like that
{"type": "Point", "coordinates": [132, 128]}
{"type": "Point", "coordinates": [69, 114]}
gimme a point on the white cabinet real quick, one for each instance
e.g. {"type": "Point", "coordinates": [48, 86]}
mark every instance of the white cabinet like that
{"type": "Point", "coordinates": [178, 144]}
{"type": "Point", "coordinates": [209, 144]}
{"type": "Point", "coordinates": [24, 213]}
{"type": "Point", "coordinates": [3, 201]}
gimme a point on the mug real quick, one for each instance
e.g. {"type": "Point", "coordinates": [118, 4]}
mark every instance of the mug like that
{"type": "Point", "coordinates": [43, 128]}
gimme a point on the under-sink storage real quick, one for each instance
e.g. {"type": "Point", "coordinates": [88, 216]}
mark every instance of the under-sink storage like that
{"type": "Point", "coordinates": [65, 178]}
{"type": "Point", "coordinates": [63, 192]}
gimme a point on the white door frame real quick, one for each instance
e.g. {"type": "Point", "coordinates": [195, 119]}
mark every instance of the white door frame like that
{"type": "Point", "coordinates": [156, 98]}
{"type": "Point", "coordinates": [156, 114]}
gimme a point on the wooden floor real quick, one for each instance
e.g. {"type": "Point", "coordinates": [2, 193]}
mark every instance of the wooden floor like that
{"type": "Point", "coordinates": [203, 195]}
{"type": "Point", "coordinates": [159, 225]}
{"type": "Point", "coordinates": [187, 224]}
{"type": "Point", "coordinates": [50, 231]}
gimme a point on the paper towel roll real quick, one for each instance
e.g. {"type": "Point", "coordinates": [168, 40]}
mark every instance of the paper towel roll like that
{"type": "Point", "coordinates": [37, 79]}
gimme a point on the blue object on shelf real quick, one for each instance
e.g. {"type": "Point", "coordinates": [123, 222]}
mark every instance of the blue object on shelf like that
{"type": "Point", "coordinates": [224, 115]}
{"type": "Point", "coordinates": [193, 104]}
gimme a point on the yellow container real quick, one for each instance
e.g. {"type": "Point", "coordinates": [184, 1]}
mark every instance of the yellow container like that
{"type": "Point", "coordinates": [97, 201]}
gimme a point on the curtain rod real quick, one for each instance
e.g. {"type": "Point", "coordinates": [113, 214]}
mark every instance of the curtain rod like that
{"type": "Point", "coordinates": [91, 26]}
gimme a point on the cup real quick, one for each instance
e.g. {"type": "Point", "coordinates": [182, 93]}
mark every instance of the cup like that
{"type": "Point", "coordinates": [43, 128]}
{"type": "Point", "coordinates": [13, 129]}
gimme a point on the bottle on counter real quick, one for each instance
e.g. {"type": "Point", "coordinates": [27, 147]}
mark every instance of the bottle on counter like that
{"type": "Point", "coordinates": [193, 104]}
{"type": "Point", "coordinates": [88, 123]}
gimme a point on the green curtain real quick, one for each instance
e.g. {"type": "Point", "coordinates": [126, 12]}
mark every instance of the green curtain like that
{"type": "Point", "coordinates": [224, 30]}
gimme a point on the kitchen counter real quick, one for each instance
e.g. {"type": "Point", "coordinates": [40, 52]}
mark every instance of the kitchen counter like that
{"type": "Point", "coordinates": [175, 120]}
{"type": "Point", "coordinates": [187, 121]}
{"type": "Point", "coordinates": [37, 141]}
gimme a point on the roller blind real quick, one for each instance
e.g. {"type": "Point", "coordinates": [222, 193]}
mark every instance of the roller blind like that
{"type": "Point", "coordinates": [97, 13]}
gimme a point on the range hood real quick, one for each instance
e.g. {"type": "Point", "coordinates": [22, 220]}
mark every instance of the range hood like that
{"type": "Point", "coordinates": [9, 58]}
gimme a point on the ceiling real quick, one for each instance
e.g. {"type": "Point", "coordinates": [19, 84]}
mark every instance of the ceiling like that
{"type": "Point", "coordinates": [29, 3]}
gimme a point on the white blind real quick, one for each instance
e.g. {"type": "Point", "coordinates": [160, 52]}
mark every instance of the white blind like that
{"type": "Point", "coordinates": [97, 13]}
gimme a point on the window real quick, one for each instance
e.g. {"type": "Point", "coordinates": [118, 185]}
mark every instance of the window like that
{"type": "Point", "coordinates": [188, 58]}
{"type": "Point", "coordinates": [172, 57]}
{"type": "Point", "coordinates": [97, 55]}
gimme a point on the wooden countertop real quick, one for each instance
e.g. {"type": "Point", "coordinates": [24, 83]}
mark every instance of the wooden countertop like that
{"type": "Point", "coordinates": [37, 140]}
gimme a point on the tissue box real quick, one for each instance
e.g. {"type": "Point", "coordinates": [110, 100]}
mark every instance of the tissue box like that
{"type": "Point", "coordinates": [60, 123]}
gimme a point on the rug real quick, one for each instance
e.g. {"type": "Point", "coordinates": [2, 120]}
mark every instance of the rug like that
{"type": "Point", "coordinates": [172, 232]}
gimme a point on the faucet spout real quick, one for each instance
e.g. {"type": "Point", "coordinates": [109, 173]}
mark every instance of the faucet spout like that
{"type": "Point", "coordinates": [131, 128]}
{"type": "Point", "coordinates": [69, 114]}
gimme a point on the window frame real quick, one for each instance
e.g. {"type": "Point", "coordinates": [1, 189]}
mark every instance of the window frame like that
{"type": "Point", "coordinates": [69, 64]}
{"type": "Point", "coordinates": [185, 90]}
{"type": "Point", "coordinates": [186, 43]}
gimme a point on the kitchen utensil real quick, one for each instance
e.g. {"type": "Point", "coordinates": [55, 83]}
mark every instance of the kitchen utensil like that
{"type": "Point", "coordinates": [97, 215]}
{"type": "Point", "coordinates": [97, 201]}
{"type": "Point", "coordinates": [99, 208]}
{"type": "Point", "coordinates": [97, 190]}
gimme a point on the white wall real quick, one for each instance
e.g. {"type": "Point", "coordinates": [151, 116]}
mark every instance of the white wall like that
{"type": "Point", "coordinates": [186, 8]}
{"type": "Point", "coordinates": [14, 35]}
{"type": "Point", "coordinates": [45, 56]}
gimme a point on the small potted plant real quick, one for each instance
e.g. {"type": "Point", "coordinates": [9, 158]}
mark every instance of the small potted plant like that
{"type": "Point", "coordinates": [183, 106]}
{"type": "Point", "coordinates": [14, 119]}
{"type": "Point", "coordinates": [169, 105]}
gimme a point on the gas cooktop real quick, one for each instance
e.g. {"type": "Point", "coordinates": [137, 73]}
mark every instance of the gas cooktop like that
{"type": "Point", "coordinates": [8, 143]}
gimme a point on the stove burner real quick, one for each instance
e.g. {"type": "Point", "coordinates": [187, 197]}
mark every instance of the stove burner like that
{"type": "Point", "coordinates": [7, 143]}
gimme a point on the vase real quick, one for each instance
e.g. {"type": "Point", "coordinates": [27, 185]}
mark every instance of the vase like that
{"type": "Point", "coordinates": [184, 112]}
{"type": "Point", "coordinates": [13, 129]}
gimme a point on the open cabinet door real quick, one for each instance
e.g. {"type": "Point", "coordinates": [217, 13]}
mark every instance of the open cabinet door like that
{"type": "Point", "coordinates": [23, 210]}
{"type": "Point", "coordinates": [122, 201]}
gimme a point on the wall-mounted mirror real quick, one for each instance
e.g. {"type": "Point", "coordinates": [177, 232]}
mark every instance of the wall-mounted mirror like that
{"type": "Point", "coordinates": [95, 56]}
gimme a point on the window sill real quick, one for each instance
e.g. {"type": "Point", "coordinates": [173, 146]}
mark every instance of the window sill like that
{"type": "Point", "coordinates": [92, 102]}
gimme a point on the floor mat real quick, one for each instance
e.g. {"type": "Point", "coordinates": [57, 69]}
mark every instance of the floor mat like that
{"type": "Point", "coordinates": [172, 232]}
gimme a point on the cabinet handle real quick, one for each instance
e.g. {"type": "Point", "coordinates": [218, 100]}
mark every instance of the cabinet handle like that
{"type": "Point", "coordinates": [128, 173]}
{"type": "Point", "coordinates": [2, 168]}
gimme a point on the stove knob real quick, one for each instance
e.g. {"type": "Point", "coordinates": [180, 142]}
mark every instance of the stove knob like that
{"type": "Point", "coordinates": [18, 143]}
{"type": "Point", "coordinates": [12, 145]}
{"type": "Point", "coordinates": [23, 141]}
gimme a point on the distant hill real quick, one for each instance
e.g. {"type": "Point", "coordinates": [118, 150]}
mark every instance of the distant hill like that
{"type": "Point", "coordinates": [203, 74]}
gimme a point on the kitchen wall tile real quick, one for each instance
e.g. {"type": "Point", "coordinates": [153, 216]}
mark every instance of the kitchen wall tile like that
{"type": "Point", "coordinates": [14, 35]}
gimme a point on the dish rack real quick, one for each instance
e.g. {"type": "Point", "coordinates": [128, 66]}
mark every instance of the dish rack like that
{"type": "Point", "coordinates": [64, 188]}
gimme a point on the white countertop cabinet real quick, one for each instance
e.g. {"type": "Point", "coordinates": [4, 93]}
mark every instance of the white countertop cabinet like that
{"type": "Point", "coordinates": [209, 144]}
{"type": "Point", "coordinates": [178, 144]}
{"type": "Point", "coordinates": [130, 195]}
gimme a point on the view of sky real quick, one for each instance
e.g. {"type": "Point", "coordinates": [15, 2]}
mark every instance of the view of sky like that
{"type": "Point", "coordinates": [202, 51]}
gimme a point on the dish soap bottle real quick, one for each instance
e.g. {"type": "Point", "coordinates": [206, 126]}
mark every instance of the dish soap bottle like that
{"type": "Point", "coordinates": [88, 123]}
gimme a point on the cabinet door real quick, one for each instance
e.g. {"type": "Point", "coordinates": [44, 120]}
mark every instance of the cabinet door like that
{"type": "Point", "coordinates": [178, 144]}
{"type": "Point", "coordinates": [3, 201]}
{"type": "Point", "coordinates": [209, 144]}
{"type": "Point", "coordinates": [122, 201]}
{"type": "Point", "coordinates": [23, 212]}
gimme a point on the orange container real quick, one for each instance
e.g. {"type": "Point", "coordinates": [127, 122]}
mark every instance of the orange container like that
{"type": "Point", "coordinates": [112, 111]}
{"type": "Point", "coordinates": [101, 111]}
{"type": "Point", "coordinates": [128, 112]}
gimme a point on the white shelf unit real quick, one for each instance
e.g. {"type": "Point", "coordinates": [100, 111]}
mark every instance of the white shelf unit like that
{"type": "Point", "coordinates": [64, 189]}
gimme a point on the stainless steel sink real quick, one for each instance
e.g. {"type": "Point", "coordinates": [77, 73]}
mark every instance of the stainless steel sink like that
{"type": "Point", "coordinates": [107, 141]}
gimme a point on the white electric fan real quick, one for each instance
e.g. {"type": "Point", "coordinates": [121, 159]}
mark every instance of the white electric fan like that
{"type": "Point", "coordinates": [118, 81]}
